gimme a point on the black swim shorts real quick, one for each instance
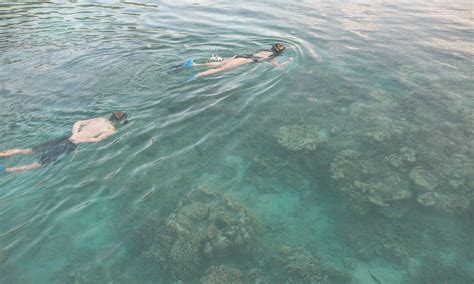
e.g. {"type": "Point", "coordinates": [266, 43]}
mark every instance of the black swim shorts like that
{"type": "Point", "coordinates": [52, 150]}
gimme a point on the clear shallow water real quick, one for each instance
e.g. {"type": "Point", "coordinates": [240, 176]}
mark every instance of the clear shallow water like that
{"type": "Point", "coordinates": [383, 79]}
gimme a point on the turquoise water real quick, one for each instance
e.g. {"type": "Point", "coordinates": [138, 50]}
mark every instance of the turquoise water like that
{"type": "Point", "coordinates": [356, 159]}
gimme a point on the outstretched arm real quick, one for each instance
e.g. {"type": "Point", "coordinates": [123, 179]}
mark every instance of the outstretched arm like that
{"type": "Point", "coordinates": [275, 62]}
{"type": "Point", "coordinates": [77, 126]}
{"type": "Point", "coordinates": [33, 166]}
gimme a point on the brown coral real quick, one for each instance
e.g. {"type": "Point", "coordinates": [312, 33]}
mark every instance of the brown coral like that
{"type": "Point", "coordinates": [297, 137]}
{"type": "Point", "coordinates": [301, 265]}
{"type": "Point", "coordinates": [222, 274]}
{"type": "Point", "coordinates": [183, 260]}
{"type": "Point", "coordinates": [221, 225]}
{"type": "Point", "coordinates": [368, 181]}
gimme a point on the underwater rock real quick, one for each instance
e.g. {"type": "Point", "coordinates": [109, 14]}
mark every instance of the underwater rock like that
{"type": "Point", "coordinates": [298, 138]}
{"type": "Point", "coordinates": [220, 225]}
{"type": "Point", "coordinates": [222, 274]}
{"type": "Point", "coordinates": [183, 260]}
{"type": "Point", "coordinates": [423, 179]}
{"type": "Point", "coordinates": [301, 265]}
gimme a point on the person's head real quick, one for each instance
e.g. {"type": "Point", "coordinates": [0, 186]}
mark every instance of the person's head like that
{"type": "Point", "coordinates": [278, 48]}
{"type": "Point", "coordinates": [118, 117]}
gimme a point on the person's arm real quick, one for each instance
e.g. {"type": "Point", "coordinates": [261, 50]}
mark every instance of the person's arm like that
{"type": "Point", "coordinates": [33, 166]}
{"type": "Point", "coordinates": [77, 126]}
{"type": "Point", "coordinates": [275, 62]}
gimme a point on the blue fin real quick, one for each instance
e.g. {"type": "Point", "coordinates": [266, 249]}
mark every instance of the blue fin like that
{"type": "Point", "coordinates": [191, 77]}
{"type": "Point", "coordinates": [187, 63]}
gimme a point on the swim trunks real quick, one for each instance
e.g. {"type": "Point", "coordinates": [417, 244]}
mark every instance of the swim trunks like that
{"type": "Point", "coordinates": [256, 59]}
{"type": "Point", "coordinates": [252, 57]}
{"type": "Point", "coordinates": [50, 151]}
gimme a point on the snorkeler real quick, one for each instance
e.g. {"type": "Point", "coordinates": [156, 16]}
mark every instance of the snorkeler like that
{"type": "Point", "coordinates": [84, 131]}
{"type": "Point", "coordinates": [218, 64]}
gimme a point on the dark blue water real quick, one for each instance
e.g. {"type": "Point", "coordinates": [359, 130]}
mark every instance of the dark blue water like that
{"type": "Point", "coordinates": [352, 164]}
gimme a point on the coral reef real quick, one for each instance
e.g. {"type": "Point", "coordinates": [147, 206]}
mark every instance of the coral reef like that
{"type": "Point", "coordinates": [301, 265]}
{"type": "Point", "coordinates": [423, 180]}
{"type": "Point", "coordinates": [92, 274]}
{"type": "Point", "coordinates": [222, 274]}
{"type": "Point", "coordinates": [405, 157]}
{"type": "Point", "coordinates": [444, 201]}
{"type": "Point", "coordinates": [434, 270]}
{"type": "Point", "coordinates": [368, 181]}
{"type": "Point", "coordinates": [203, 225]}
{"type": "Point", "coordinates": [334, 275]}
{"type": "Point", "coordinates": [183, 260]}
{"type": "Point", "coordinates": [368, 241]}
{"type": "Point", "coordinates": [299, 138]}
{"type": "Point", "coordinates": [161, 247]}
{"type": "Point", "coordinates": [144, 235]}
{"type": "Point", "coordinates": [444, 182]}
{"type": "Point", "coordinates": [222, 226]}
{"type": "Point", "coordinates": [178, 258]}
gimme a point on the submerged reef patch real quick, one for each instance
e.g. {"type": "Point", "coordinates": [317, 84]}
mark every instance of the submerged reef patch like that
{"type": "Point", "coordinates": [222, 226]}
{"type": "Point", "coordinates": [301, 266]}
{"type": "Point", "coordinates": [367, 181]}
{"type": "Point", "coordinates": [299, 138]}
{"type": "Point", "coordinates": [424, 180]}
{"type": "Point", "coordinates": [222, 274]}
{"type": "Point", "coordinates": [183, 260]}
{"type": "Point", "coordinates": [205, 228]}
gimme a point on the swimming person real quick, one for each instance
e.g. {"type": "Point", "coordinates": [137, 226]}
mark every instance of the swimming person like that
{"type": "Point", "coordinates": [84, 131]}
{"type": "Point", "coordinates": [223, 64]}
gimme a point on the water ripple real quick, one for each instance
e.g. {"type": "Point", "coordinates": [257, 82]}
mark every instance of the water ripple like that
{"type": "Point", "coordinates": [66, 61]}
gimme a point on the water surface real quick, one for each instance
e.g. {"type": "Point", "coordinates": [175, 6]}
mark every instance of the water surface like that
{"type": "Point", "coordinates": [382, 91]}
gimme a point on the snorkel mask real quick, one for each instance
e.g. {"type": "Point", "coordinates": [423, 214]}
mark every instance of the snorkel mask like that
{"type": "Point", "coordinates": [278, 48]}
{"type": "Point", "coordinates": [119, 117]}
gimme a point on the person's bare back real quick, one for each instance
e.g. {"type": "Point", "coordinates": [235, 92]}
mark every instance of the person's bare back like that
{"type": "Point", "coordinates": [83, 131]}
{"type": "Point", "coordinates": [92, 130]}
